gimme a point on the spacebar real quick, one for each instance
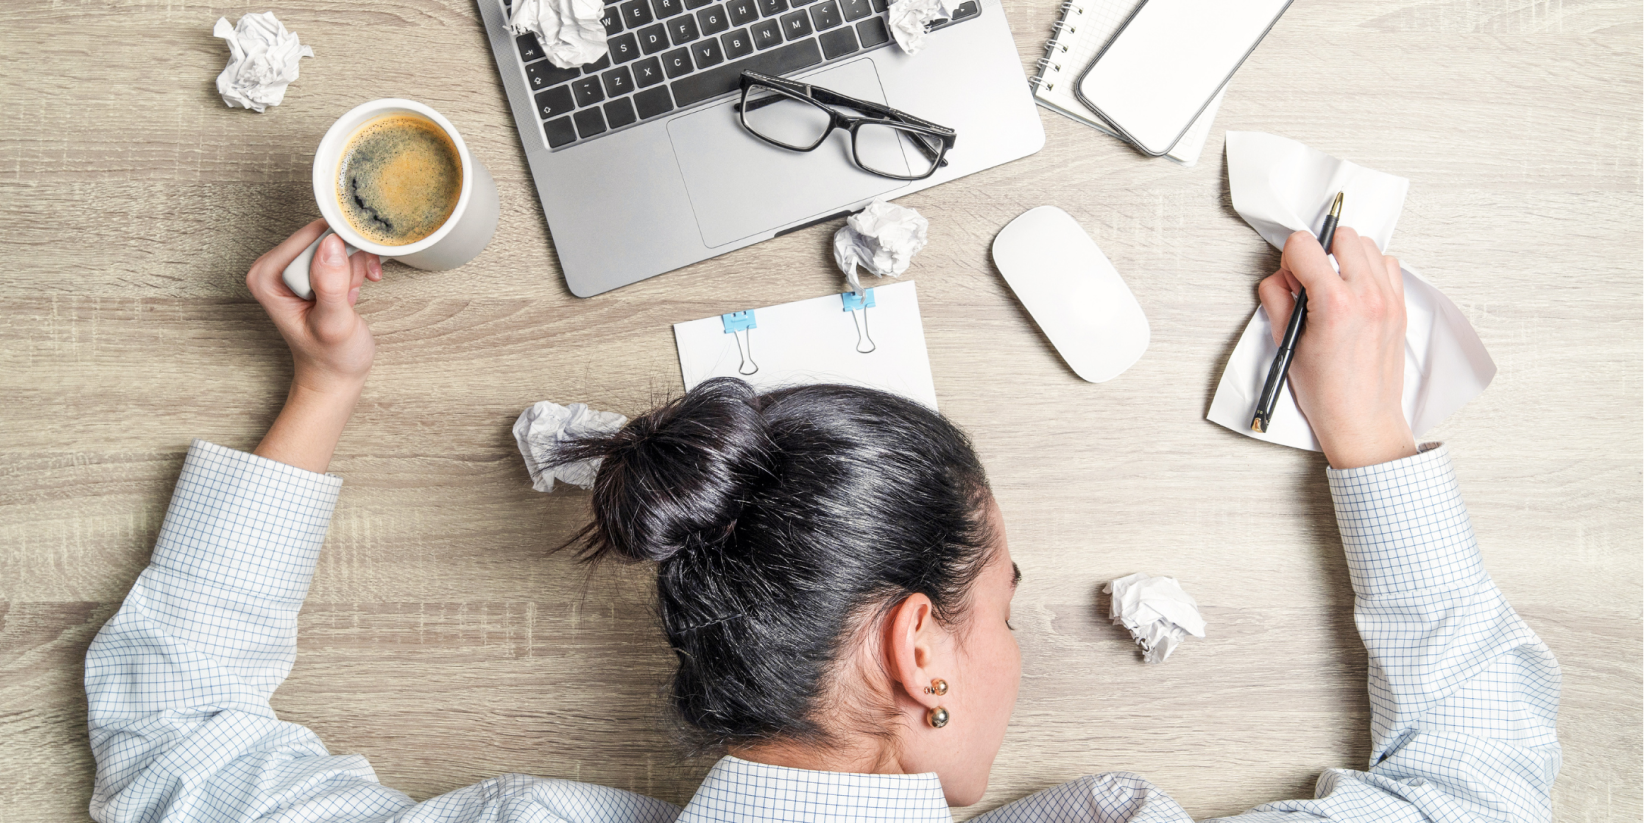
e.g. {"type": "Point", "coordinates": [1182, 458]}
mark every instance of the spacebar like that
{"type": "Point", "coordinates": [722, 79]}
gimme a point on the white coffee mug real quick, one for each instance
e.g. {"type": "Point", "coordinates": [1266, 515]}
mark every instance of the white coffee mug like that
{"type": "Point", "coordinates": [460, 239]}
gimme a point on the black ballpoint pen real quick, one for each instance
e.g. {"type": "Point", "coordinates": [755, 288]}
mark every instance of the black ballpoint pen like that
{"type": "Point", "coordinates": [1295, 326]}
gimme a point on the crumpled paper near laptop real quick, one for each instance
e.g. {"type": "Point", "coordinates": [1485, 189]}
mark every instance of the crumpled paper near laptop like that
{"type": "Point", "coordinates": [1157, 611]}
{"type": "Point", "coordinates": [910, 19]}
{"type": "Point", "coordinates": [883, 238]}
{"type": "Point", "coordinates": [263, 58]}
{"type": "Point", "coordinates": [1280, 186]}
{"type": "Point", "coordinates": [542, 429]}
{"type": "Point", "coordinates": [570, 31]}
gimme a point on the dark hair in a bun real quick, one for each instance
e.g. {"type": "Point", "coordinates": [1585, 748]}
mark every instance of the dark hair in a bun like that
{"type": "Point", "coordinates": [779, 521]}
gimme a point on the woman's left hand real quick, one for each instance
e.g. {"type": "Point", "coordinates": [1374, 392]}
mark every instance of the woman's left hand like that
{"type": "Point", "coordinates": [331, 346]}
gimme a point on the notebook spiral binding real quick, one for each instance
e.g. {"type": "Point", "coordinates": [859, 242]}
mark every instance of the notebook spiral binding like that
{"type": "Point", "coordinates": [1047, 68]}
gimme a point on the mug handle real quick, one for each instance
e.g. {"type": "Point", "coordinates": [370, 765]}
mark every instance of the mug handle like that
{"type": "Point", "coordinates": [296, 274]}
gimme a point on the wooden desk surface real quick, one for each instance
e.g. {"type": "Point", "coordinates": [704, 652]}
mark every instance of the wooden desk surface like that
{"type": "Point", "coordinates": [441, 641]}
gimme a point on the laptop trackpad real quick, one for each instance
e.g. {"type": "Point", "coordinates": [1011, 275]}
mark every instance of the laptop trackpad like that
{"type": "Point", "coordinates": [742, 186]}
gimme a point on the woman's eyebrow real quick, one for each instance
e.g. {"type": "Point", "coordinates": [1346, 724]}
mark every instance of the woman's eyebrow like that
{"type": "Point", "coordinates": [1017, 575]}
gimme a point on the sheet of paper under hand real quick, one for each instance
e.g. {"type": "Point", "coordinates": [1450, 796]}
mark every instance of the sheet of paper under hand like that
{"type": "Point", "coordinates": [883, 238]}
{"type": "Point", "coordinates": [1157, 611]}
{"type": "Point", "coordinates": [543, 428]}
{"type": "Point", "coordinates": [570, 31]}
{"type": "Point", "coordinates": [1280, 186]}
{"type": "Point", "coordinates": [872, 340]}
{"type": "Point", "coordinates": [263, 58]}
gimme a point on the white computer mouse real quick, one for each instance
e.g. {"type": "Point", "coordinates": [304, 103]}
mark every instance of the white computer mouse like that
{"type": "Point", "coordinates": [1073, 293]}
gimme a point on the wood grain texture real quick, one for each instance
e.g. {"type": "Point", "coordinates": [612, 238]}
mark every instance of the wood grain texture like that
{"type": "Point", "coordinates": [443, 641]}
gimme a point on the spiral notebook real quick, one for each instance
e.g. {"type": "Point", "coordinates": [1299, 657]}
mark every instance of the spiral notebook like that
{"type": "Point", "coordinates": [1082, 31]}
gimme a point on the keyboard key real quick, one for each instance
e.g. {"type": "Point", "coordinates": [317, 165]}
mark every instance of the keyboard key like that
{"type": "Point", "coordinates": [530, 48]}
{"type": "Point", "coordinates": [838, 43]}
{"type": "Point", "coordinates": [653, 39]}
{"type": "Point", "coordinates": [612, 19]}
{"type": "Point", "coordinates": [795, 24]}
{"type": "Point", "coordinates": [766, 34]}
{"type": "Point", "coordinates": [707, 53]}
{"type": "Point", "coordinates": [736, 44]}
{"type": "Point", "coordinates": [855, 9]}
{"type": "Point", "coordinates": [619, 113]}
{"type": "Point", "coordinates": [771, 7]}
{"type": "Point", "coordinates": [622, 48]}
{"type": "Point", "coordinates": [587, 92]}
{"type": "Point", "coordinates": [697, 4]}
{"type": "Point", "coordinates": [544, 75]}
{"type": "Point", "coordinates": [825, 15]}
{"type": "Point", "coordinates": [742, 12]}
{"type": "Point", "coordinates": [590, 123]}
{"type": "Point", "coordinates": [653, 102]}
{"type": "Point", "coordinates": [677, 63]}
{"type": "Point", "coordinates": [878, 5]}
{"type": "Point", "coordinates": [648, 72]}
{"type": "Point", "coordinates": [666, 8]}
{"type": "Point", "coordinates": [617, 82]}
{"type": "Point", "coordinates": [559, 132]}
{"type": "Point", "coordinates": [555, 102]}
{"type": "Point", "coordinates": [723, 79]}
{"type": "Point", "coordinates": [965, 10]}
{"type": "Point", "coordinates": [682, 30]}
{"type": "Point", "coordinates": [604, 63]}
{"type": "Point", "coordinates": [636, 13]}
{"type": "Point", "coordinates": [873, 32]}
{"type": "Point", "coordinates": [713, 20]}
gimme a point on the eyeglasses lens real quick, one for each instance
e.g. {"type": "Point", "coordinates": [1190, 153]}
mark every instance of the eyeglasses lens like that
{"type": "Point", "coordinates": [892, 151]}
{"type": "Point", "coordinates": [784, 120]}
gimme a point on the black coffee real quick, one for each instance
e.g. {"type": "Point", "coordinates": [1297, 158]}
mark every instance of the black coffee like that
{"type": "Point", "coordinates": [399, 179]}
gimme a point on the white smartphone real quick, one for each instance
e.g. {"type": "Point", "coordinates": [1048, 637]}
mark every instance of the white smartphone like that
{"type": "Point", "coordinates": [1168, 61]}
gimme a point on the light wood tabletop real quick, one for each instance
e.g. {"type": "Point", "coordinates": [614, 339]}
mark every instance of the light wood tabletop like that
{"type": "Point", "coordinates": [444, 642]}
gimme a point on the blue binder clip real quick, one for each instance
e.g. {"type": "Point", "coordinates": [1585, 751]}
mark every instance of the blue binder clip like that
{"type": "Point", "coordinates": [859, 306]}
{"type": "Point", "coordinates": [738, 324]}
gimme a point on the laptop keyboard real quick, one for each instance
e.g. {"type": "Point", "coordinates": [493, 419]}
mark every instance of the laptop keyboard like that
{"type": "Point", "coordinates": [665, 55]}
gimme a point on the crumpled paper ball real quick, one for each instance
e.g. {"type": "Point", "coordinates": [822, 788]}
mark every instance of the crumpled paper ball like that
{"type": "Point", "coordinates": [911, 17]}
{"type": "Point", "coordinates": [540, 431]}
{"type": "Point", "coordinates": [263, 59]}
{"type": "Point", "coordinates": [882, 238]}
{"type": "Point", "coordinates": [570, 31]}
{"type": "Point", "coordinates": [1157, 611]}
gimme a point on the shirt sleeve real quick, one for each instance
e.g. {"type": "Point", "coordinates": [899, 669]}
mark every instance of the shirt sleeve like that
{"type": "Point", "coordinates": [1463, 693]}
{"type": "Point", "coordinates": [178, 681]}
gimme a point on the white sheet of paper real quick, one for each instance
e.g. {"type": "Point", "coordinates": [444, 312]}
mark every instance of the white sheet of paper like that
{"type": "Point", "coordinates": [1280, 186]}
{"type": "Point", "coordinates": [817, 341]}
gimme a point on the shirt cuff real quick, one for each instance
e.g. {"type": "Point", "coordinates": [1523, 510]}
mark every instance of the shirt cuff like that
{"type": "Point", "coordinates": [1404, 525]}
{"type": "Point", "coordinates": [246, 523]}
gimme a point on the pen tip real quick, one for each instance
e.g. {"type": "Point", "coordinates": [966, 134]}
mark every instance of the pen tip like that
{"type": "Point", "coordinates": [1258, 425]}
{"type": "Point", "coordinates": [1337, 204]}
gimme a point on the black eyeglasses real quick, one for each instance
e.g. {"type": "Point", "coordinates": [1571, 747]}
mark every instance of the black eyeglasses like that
{"type": "Point", "coordinates": [799, 117]}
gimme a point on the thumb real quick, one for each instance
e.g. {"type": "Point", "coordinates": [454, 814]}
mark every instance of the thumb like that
{"type": "Point", "coordinates": [329, 277]}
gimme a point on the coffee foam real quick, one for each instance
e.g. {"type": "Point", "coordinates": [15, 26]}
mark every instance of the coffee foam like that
{"type": "Point", "coordinates": [399, 179]}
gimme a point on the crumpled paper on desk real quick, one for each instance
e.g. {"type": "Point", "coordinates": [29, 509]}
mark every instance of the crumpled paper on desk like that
{"type": "Point", "coordinates": [910, 19]}
{"type": "Point", "coordinates": [263, 59]}
{"type": "Point", "coordinates": [570, 31]}
{"type": "Point", "coordinates": [1280, 186]}
{"type": "Point", "coordinates": [542, 429]}
{"type": "Point", "coordinates": [1158, 612]}
{"type": "Point", "coordinates": [882, 238]}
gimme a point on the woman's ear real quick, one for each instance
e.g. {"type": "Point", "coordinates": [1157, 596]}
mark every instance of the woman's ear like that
{"type": "Point", "coordinates": [917, 649]}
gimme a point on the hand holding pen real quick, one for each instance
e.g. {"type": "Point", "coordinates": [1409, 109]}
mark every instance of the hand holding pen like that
{"type": "Point", "coordinates": [1288, 342]}
{"type": "Point", "coordinates": [1349, 358]}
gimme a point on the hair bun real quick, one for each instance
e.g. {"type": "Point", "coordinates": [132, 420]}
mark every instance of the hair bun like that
{"type": "Point", "coordinates": [677, 477]}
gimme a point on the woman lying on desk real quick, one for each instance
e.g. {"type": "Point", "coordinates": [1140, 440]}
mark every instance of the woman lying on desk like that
{"type": "Point", "coordinates": [834, 578]}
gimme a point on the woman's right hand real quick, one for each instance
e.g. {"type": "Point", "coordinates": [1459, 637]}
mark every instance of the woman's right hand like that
{"type": "Point", "coordinates": [1347, 370]}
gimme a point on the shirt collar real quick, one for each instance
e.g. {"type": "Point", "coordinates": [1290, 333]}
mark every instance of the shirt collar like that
{"type": "Point", "coordinates": [745, 792]}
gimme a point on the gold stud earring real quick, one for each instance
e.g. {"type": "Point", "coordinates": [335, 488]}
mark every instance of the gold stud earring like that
{"type": "Point", "coordinates": [938, 687]}
{"type": "Point", "coordinates": [938, 717]}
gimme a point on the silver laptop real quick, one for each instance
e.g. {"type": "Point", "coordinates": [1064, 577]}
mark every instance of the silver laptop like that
{"type": "Point", "coordinates": [643, 166]}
